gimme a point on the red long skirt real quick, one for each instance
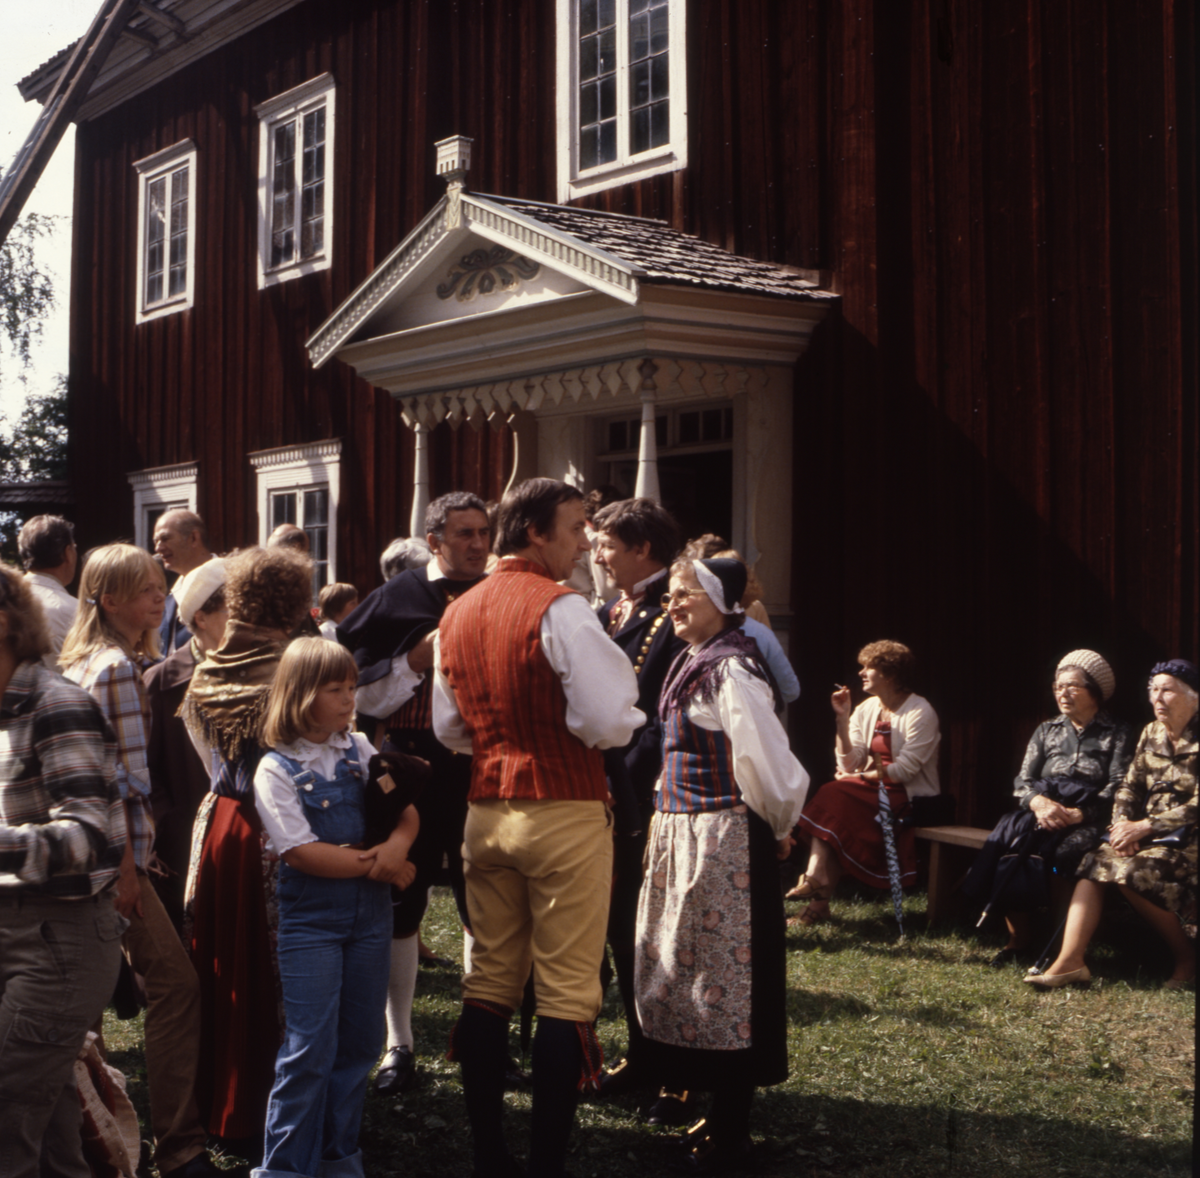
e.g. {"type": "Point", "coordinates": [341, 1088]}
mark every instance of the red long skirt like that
{"type": "Point", "coordinates": [231, 950]}
{"type": "Point", "coordinates": [843, 814]}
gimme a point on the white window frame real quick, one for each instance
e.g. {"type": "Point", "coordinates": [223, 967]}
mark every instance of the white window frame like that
{"type": "Point", "coordinates": [162, 165]}
{"type": "Point", "coordinates": [626, 168]}
{"type": "Point", "coordinates": [299, 468]}
{"type": "Point", "coordinates": [161, 488]}
{"type": "Point", "coordinates": [294, 104]}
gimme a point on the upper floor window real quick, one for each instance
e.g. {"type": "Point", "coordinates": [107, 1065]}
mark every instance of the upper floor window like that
{"type": "Point", "coordinates": [621, 92]}
{"type": "Point", "coordinates": [295, 170]}
{"type": "Point", "coordinates": [166, 231]}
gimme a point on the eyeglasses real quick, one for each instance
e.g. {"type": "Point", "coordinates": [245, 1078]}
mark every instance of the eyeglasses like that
{"type": "Point", "coordinates": [1067, 688]}
{"type": "Point", "coordinates": [680, 597]}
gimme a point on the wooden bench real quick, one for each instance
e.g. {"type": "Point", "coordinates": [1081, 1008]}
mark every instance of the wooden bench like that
{"type": "Point", "coordinates": [941, 882]}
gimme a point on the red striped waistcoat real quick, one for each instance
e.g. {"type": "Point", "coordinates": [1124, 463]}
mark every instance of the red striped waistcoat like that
{"type": "Point", "coordinates": [509, 695]}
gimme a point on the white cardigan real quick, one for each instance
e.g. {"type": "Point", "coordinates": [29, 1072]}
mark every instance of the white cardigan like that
{"type": "Point", "coordinates": [915, 741]}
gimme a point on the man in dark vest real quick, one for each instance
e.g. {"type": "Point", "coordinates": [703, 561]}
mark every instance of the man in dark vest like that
{"type": "Point", "coordinates": [528, 682]}
{"type": "Point", "coordinates": [391, 636]}
{"type": "Point", "coordinates": [637, 541]}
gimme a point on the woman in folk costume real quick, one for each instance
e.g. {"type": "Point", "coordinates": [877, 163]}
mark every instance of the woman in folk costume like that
{"type": "Point", "coordinates": [231, 879]}
{"type": "Point", "coordinates": [710, 970]}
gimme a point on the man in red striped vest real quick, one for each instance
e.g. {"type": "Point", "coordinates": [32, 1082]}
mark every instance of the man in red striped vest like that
{"type": "Point", "coordinates": [529, 683]}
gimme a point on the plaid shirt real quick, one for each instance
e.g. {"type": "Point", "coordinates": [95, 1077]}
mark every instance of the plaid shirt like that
{"type": "Point", "coordinates": [62, 824]}
{"type": "Point", "coordinates": [115, 683]}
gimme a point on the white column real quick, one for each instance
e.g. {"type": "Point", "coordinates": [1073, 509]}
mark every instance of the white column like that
{"type": "Point", "coordinates": [416, 522]}
{"type": "Point", "coordinates": [647, 471]}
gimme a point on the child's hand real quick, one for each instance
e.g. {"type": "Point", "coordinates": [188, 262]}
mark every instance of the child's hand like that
{"type": "Point", "coordinates": [390, 864]}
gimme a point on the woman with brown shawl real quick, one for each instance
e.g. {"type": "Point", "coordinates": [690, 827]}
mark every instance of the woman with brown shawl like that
{"type": "Point", "coordinates": [230, 883]}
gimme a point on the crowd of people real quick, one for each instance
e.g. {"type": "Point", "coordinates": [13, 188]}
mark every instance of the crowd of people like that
{"type": "Point", "coordinates": [560, 708]}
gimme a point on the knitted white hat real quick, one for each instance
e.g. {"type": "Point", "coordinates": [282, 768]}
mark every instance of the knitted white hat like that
{"type": "Point", "coordinates": [193, 589]}
{"type": "Point", "coordinates": [1094, 665]}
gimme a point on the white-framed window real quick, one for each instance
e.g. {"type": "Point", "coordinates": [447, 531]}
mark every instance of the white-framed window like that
{"type": "Point", "coordinates": [621, 92]}
{"type": "Point", "coordinates": [157, 491]}
{"type": "Point", "coordinates": [295, 181]}
{"type": "Point", "coordinates": [300, 485]}
{"type": "Point", "coordinates": [166, 251]}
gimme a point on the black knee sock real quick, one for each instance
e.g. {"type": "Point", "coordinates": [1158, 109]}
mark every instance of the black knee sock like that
{"type": "Point", "coordinates": [557, 1065]}
{"type": "Point", "coordinates": [481, 1047]}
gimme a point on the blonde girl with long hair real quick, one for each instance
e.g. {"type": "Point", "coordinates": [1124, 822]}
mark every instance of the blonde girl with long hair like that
{"type": "Point", "coordinates": [122, 596]}
{"type": "Point", "coordinates": [335, 911]}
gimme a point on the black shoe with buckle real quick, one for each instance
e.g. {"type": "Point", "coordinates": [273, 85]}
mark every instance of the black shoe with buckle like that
{"type": "Point", "coordinates": [671, 1108]}
{"type": "Point", "coordinates": [625, 1077]}
{"type": "Point", "coordinates": [710, 1156]}
{"type": "Point", "coordinates": [397, 1072]}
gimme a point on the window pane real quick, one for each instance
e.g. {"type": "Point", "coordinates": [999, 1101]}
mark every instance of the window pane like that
{"type": "Point", "coordinates": [660, 430]}
{"type": "Point", "coordinates": [283, 212]}
{"type": "Point", "coordinates": [616, 436]}
{"type": "Point", "coordinates": [283, 508]}
{"type": "Point", "coordinates": [177, 281]}
{"type": "Point", "coordinates": [689, 427]}
{"type": "Point", "coordinates": [658, 27]}
{"type": "Point", "coordinates": [608, 13]}
{"type": "Point", "coordinates": [589, 104]}
{"type": "Point", "coordinates": [660, 81]}
{"type": "Point", "coordinates": [608, 97]}
{"type": "Point", "coordinates": [608, 142]}
{"type": "Point", "coordinates": [589, 58]}
{"type": "Point", "coordinates": [660, 124]}
{"type": "Point", "coordinates": [637, 6]}
{"type": "Point", "coordinates": [587, 17]}
{"type": "Point", "coordinates": [589, 147]}
{"type": "Point", "coordinates": [608, 51]}
{"type": "Point", "coordinates": [639, 84]}
{"type": "Point", "coordinates": [639, 130]}
{"type": "Point", "coordinates": [316, 507]}
{"type": "Point", "coordinates": [156, 216]}
{"type": "Point", "coordinates": [639, 38]}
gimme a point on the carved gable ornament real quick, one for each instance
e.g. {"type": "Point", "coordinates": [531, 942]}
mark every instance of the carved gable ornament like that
{"type": "Point", "coordinates": [484, 271]}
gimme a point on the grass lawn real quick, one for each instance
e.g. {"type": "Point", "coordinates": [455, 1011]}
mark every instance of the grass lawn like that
{"type": "Point", "coordinates": [910, 1059]}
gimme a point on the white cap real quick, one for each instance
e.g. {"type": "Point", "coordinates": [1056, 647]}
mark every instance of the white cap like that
{"type": "Point", "coordinates": [193, 589]}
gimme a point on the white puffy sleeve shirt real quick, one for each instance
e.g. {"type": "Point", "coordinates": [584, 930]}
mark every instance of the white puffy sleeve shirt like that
{"type": "Point", "coordinates": [596, 675]}
{"type": "Point", "coordinates": [771, 779]}
{"type": "Point", "coordinates": [275, 795]}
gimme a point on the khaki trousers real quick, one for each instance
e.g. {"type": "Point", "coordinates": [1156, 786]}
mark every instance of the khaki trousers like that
{"type": "Point", "coordinates": [172, 1030]}
{"type": "Point", "coordinates": [538, 878]}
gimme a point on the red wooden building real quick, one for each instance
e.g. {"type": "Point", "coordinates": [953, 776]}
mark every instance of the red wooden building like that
{"type": "Point", "coordinates": [902, 293]}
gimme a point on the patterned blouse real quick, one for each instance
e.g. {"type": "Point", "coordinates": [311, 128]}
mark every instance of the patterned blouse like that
{"type": "Point", "coordinates": [1161, 784]}
{"type": "Point", "coordinates": [1099, 754]}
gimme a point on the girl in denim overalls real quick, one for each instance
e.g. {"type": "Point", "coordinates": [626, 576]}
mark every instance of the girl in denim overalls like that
{"type": "Point", "coordinates": [335, 919]}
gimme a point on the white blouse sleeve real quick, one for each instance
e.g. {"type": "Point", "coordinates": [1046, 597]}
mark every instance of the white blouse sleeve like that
{"type": "Point", "coordinates": [772, 781]}
{"type": "Point", "coordinates": [381, 698]}
{"type": "Point", "coordinates": [279, 806]}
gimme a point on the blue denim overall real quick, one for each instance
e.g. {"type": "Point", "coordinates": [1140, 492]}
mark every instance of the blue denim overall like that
{"type": "Point", "coordinates": [334, 950]}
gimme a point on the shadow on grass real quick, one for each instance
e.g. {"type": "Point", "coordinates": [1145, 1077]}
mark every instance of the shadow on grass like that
{"type": "Point", "coordinates": [796, 1136]}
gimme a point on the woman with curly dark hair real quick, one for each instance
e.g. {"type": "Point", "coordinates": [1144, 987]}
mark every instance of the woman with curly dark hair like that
{"type": "Point", "coordinates": [892, 739]}
{"type": "Point", "coordinates": [231, 880]}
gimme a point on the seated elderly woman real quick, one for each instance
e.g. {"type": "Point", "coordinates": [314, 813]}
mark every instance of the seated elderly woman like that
{"type": "Point", "coordinates": [892, 737]}
{"type": "Point", "coordinates": [1151, 850]}
{"type": "Point", "coordinates": [1064, 791]}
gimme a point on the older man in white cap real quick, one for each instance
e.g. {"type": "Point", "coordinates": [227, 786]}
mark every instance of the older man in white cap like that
{"type": "Point", "coordinates": [179, 779]}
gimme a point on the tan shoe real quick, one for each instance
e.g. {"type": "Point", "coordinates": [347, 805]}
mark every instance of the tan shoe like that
{"type": "Point", "coordinates": [1081, 977]}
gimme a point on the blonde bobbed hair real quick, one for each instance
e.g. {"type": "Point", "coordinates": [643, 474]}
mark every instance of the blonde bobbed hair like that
{"type": "Point", "coordinates": [307, 665]}
{"type": "Point", "coordinates": [120, 570]}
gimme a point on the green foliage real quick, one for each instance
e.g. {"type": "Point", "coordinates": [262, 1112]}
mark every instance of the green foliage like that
{"type": "Point", "coordinates": [26, 290]}
{"type": "Point", "coordinates": [36, 447]}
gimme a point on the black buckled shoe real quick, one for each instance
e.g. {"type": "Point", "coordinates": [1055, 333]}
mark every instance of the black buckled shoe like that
{"type": "Point", "coordinates": [625, 1077]}
{"type": "Point", "coordinates": [397, 1072]}
{"type": "Point", "coordinates": [707, 1155]}
{"type": "Point", "coordinates": [672, 1108]}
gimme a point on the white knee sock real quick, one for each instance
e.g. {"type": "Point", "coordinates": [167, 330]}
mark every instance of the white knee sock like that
{"type": "Point", "coordinates": [468, 945]}
{"type": "Point", "coordinates": [402, 985]}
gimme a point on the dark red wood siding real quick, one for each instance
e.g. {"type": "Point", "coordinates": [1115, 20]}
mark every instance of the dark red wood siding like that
{"type": "Point", "coordinates": [996, 430]}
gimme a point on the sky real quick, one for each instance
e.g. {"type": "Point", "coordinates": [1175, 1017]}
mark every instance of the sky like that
{"type": "Point", "coordinates": [31, 33]}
